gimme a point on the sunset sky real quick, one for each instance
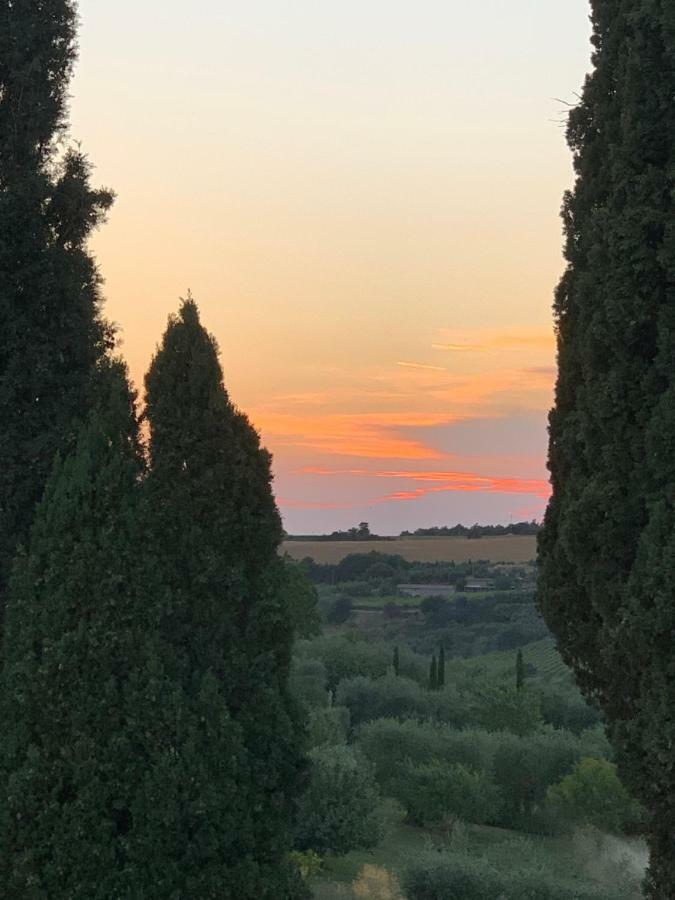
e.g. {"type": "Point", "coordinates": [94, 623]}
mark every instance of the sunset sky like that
{"type": "Point", "coordinates": [363, 198]}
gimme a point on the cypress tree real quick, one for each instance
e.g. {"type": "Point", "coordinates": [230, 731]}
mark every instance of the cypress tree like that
{"type": "Point", "coordinates": [215, 532]}
{"type": "Point", "coordinates": [397, 662]}
{"type": "Point", "coordinates": [607, 550]}
{"type": "Point", "coordinates": [51, 332]}
{"type": "Point", "coordinates": [440, 681]}
{"type": "Point", "coordinates": [433, 674]}
{"type": "Point", "coordinates": [71, 646]}
{"type": "Point", "coordinates": [520, 671]}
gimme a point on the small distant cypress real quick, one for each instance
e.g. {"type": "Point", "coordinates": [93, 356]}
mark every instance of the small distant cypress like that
{"type": "Point", "coordinates": [396, 662]}
{"type": "Point", "coordinates": [441, 668]}
{"type": "Point", "coordinates": [520, 671]}
{"type": "Point", "coordinates": [433, 674]}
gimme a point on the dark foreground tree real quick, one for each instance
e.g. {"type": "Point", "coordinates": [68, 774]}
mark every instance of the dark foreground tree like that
{"type": "Point", "coordinates": [123, 777]}
{"type": "Point", "coordinates": [51, 333]}
{"type": "Point", "coordinates": [607, 550]}
{"type": "Point", "coordinates": [215, 533]}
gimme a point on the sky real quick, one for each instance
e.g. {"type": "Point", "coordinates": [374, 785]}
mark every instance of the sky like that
{"type": "Point", "coordinates": [363, 198]}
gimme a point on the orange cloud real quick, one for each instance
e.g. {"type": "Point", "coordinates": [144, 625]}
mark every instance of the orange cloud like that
{"type": "Point", "coordinates": [367, 435]}
{"type": "Point", "coordinates": [443, 481]}
{"type": "Point", "coordinates": [537, 341]}
{"type": "Point", "coordinates": [413, 365]}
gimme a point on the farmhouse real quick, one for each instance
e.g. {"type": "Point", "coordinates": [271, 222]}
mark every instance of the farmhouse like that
{"type": "Point", "coordinates": [479, 584]}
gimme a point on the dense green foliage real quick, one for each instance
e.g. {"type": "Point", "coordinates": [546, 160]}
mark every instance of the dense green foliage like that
{"type": "Point", "coordinates": [607, 547]}
{"type": "Point", "coordinates": [437, 792]}
{"type": "Point", "coordinates": [339, 810]}
{"type": "Point", "coordinates": [593, 795]}
{"type": "Point", "coordinates": [214, 533]}
{"type": "Point", "coordinates": [475, 531]}
{"type": "Point", "coordinates": [52, 333]}
{"type": "Point", "coordinates": [82, 671]}
{"type": "Point", "coordinates": [435, 877]}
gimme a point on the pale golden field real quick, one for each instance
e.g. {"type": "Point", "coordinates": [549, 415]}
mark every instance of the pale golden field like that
{"type": "Point", "coordinates": [510, 548]}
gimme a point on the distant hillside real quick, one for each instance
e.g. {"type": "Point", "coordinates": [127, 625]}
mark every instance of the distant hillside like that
{"type": "Point", "coordinates": [508, 548]}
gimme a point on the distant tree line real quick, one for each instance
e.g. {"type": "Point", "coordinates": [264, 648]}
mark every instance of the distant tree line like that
{"type": "Point", "coordinates": [476, 531]}
{"type": "Point", "coordinates": [361, 532]}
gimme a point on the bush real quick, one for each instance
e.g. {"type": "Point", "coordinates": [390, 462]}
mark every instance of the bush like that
{"type": "Point", "coordinates": [391, 745]}
{"type": "Point", "coordinates": [501, 708]}
{"type": "Point", "coordinates": [376, 883]}
{"type": "Point", "coordinates": [339, 811]}
{"type": "Point", "coordinates": [436, 792]}
{"type": "Point", "coordinates": [466, 878]}
{"type": "Point", "coordinates": [566, 708]}
{"type": "Point", "coordinates": [593, 795]}
{"type": "Point", "coordinates": [347, 657]}
{"type": "Point", "coordinates": [328, 725]}
{"type": "Point", "coordinates": [340, 611]}
{"type": "Point", "coordinates": [388, 697]}
{"type": "Point", "coordinates": [524, 769]}
{"type": "Point", "coordinates": [432, 878]}
{"type": "Point", "coordinates": [308, 682]}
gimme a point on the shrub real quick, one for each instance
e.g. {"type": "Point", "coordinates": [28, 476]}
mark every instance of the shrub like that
{"type": "Point", "coordinates": [376, 883]}
{"type": "Point", "coordinates": [390, 745]}
{"type": "Point", "coordinates": [340, 611]}
{"type": "Point", "coordinates": [308, 681]}
{"type": "Point", "coordinates": [468, 878]}
{"type": "Point", "coordinates": [434, 878]}
{"type": "Point", "coordinates": [388, 697]}
{"type": "Point", "coordinates": [339, 811]}
{"type": "Point", "coordinates": [593, 795]}
{"type": "Point", "coordinates": [328, 725]}
{"type": "Point", "coordinates": [436, 792]}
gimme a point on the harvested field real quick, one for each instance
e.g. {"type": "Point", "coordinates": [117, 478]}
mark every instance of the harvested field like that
{"type": "Point", "coordinates": [509, 548]}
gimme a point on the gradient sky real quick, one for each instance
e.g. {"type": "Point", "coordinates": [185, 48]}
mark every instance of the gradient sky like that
{"type": "Point", "coordinates": [363, 198]}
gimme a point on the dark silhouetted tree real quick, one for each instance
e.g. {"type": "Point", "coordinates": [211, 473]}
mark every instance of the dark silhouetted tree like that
{"type": "Point", "coordinates": [215, 534]}
{"type": "Point", "coordinates": [51, 332]}
{"type": "Point", "coordinates": [607, 549]}
{"type": "Point", "coordinates": [433, 674]}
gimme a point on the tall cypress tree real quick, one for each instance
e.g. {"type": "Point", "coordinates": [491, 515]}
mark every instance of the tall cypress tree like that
{"type": "Point", "coordinates": [71, 644]}
{"type": "Point", "coordinates": [520, 671]}
{"type": "Point", "coordinates": [433, 674]}
{"type": "Point", "coordinates": [51, 331]}
{"type": "Point", "coordinates": [607, 552]}
{"type": "Point", "coordinates": [216, 533]}
{"type": "Point", "coordinates": [440, 680]}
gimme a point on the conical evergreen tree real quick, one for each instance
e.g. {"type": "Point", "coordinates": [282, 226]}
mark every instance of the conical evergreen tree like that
{"type": "Point", "coordinates": [440, 680]}
{"type": "Point", "coordinates": [607, 550]}
{"type": "Point", "coordinates": [216, 533]}
{"type": "Point", "coordinates": [51, 332]}
{"type": "Point", "coordinates": [397, 662]}
{"type": "Point", "coordinates": [433, 674]}
{"type": "Point", "coordinates": [520, 671]}
{"type": "Point", "coordinates": [70, 761]}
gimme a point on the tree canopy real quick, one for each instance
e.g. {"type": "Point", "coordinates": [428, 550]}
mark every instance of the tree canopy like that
{"type": "Point", "coordinates": [607, 550]}
{"type": "Point", "coordinates": [53, 333]}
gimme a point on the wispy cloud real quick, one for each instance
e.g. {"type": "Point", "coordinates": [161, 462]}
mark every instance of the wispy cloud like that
{"type": "Point", "coordinates": [433, 482]}
{"type": "Point", "coordinates": [414, 365]}
{"type": "Point", "coordinates": [365, 435]}
{"type": "Point", "coordinates": [484, 342]}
